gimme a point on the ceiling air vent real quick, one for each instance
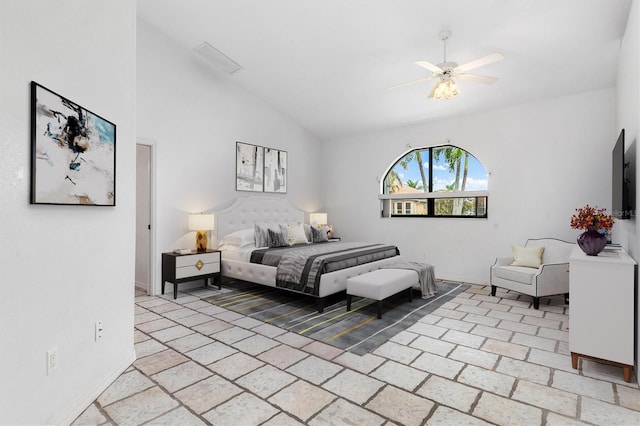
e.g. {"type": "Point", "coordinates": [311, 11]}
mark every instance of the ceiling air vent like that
{"type": "Point", "coordinates": [216, 58]}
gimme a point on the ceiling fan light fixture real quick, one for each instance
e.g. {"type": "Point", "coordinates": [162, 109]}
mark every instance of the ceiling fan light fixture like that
{"type": "Point", "coordinates": [445, 89]}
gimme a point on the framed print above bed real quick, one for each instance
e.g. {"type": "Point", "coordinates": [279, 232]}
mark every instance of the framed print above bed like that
{"type": "Point", "coordinates": [73, 152]}
{"type": "Point", "coordinates": [249, 167]}
{"type": "Point", "coordinates": [275, 170]}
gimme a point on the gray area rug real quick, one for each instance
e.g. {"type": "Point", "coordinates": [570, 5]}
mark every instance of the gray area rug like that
{"type": "Point", "coordinates": [358, 331]}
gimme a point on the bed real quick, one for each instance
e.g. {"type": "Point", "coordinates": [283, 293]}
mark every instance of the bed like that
{"type": "Point", "coordinates": [233, 236]}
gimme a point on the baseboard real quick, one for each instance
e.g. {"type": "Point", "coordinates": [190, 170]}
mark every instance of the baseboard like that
{"type": "Point", "coordinates": [83, 401]}
{"type": "Point", "coordinates": [141, 285]}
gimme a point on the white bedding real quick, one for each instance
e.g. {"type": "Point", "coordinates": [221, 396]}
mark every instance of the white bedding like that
{"type": "Point", "coordinates": [241, 254]}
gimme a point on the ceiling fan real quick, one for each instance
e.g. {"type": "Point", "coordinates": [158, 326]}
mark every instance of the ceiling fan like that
{"type": "Point", "coordinates": [445, 72]}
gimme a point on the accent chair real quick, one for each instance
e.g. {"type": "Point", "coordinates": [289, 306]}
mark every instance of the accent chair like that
{"type": "Point", "coordinates": [540, 268]}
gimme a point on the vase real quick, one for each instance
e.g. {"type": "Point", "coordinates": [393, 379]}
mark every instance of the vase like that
{"type": "Point", "coordinates": [592, 242]}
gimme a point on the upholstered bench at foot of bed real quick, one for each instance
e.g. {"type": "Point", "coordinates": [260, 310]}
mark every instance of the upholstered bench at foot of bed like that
{"type": "Point", "coordinates": [380, 284]}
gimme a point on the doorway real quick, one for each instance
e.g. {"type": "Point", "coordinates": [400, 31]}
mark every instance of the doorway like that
{"type": "Point", "coordinates": [144, 219]}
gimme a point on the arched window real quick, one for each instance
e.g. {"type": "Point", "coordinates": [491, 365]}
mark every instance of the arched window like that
{"type": "Point", "coordinates": [441, 181]}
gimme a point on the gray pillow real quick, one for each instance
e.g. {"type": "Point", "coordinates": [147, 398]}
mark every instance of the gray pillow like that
{"type": "Point", "coordinates": [308, 232]}
{"type": "Point", "coordinates": [276, 238]}
{"type": "Point", "coordinates": [261, 235]}
{"type": "Point", "coordinates": [319, 235]}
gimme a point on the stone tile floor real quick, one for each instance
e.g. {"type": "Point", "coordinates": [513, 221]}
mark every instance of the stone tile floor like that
{"type": "Point", "coordinates": [476, 360]}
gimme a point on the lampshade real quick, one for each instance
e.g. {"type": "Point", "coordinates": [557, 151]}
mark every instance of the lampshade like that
{"type": "Point", "coordinates": [445, 89]}
{"type": "Point", "coordinates": [201, 222]}
{"type": "Point", "coordinates": [318, 218]}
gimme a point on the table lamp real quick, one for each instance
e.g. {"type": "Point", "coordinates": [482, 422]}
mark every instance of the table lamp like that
{"type": "Point", "coordinates": [201, 223]}
{"type": "Point", "coordinates": [318, 218]}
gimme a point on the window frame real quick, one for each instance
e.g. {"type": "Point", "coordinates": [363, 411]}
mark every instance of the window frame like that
{"type": "Point", "coordinates": [388, 201]}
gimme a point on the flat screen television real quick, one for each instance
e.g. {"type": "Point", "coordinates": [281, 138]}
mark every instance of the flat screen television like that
{"type": "Point", "coordinates": [620, 195]}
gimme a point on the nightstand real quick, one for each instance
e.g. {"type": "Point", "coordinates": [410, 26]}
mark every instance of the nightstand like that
{"type": "Point", "coordinates": [181, 268]}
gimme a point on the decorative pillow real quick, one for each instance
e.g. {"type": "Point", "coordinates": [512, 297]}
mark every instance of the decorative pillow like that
{"type": "Point", "coordinates": [295, 234]}
{"type": "Point", "coordinates": [282, 227]}
{"type": "Point", "coordinates": [276, 238]}
{"type": "Point", "coordinates": [319, 235]}
{"type": "Point", "coordinates": [308, 233]}
{"type": "Point", "coordinates": [527, 256]}
{"type": "Point", "coordinates": [261, 235]}
{"type": "Point", "coordinates": [240, 238]}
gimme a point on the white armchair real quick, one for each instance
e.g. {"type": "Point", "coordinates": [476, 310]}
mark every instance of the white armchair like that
{"type": "Point", "coordinates": [550, 278]}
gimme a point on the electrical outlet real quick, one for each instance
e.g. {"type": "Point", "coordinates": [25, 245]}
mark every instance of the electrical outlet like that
{"type": "Point", "coordinates": [99, 330]}
{"type": "Point", "coordinates": [52, 360]}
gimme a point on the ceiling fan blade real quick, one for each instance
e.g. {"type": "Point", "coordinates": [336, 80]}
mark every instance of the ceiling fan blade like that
{"type": "Point", "coordinates": [428, 65]}
{"type": "Point", "coordinates": [485, 60]}
{"type": "Point", "coordinates": [433, 91]}
{"type": "Point", "coordinates": [420, 80]}
{"type": "Point", "coordinates": [484, 79]}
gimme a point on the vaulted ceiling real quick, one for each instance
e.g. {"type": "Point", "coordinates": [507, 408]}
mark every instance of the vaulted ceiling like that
{"type": "Point", "coordinates": [328, 64]}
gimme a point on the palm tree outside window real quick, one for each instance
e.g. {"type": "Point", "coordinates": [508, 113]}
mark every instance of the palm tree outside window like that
{"type": "Point", "coordinates": [440, 181]}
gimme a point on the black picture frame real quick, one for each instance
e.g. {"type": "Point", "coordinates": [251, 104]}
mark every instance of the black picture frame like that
{"type": "Point", "coordinates": [275, 170]}
{"type": "Point", "coordinates": [249, 167]}
{"type": "Point", "coordinates": [73, 152]}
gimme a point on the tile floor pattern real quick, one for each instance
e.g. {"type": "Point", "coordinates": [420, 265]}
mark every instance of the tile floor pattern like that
{"type": "Point", "coordinates": [476, 360]}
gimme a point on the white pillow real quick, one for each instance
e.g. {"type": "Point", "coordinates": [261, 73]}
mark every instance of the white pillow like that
{"type": "Point", "coordinates": [240, 238]}
{"type": "Point", "coordinates": [295, 233]}
{"type": "Point", "coordinates": [527, 256]}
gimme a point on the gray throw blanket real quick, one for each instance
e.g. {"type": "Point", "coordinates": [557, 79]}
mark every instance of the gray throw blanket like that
{"type": "Point", "coordinates": [426, 276]}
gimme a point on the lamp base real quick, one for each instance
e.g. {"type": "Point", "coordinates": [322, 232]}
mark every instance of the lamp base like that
{"type": "Point", "coordinates": [201, 241]}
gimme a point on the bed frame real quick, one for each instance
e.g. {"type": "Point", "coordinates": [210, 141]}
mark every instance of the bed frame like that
{"type": "Point", "coordinates": [247, 211]}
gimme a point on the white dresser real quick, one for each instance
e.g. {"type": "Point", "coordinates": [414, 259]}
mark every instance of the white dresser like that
{"type": "Point", "coordinates": [601, 318]}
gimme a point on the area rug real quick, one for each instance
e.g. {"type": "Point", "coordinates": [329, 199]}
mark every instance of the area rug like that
{"type": "Point", "coordinates": [358, 331]}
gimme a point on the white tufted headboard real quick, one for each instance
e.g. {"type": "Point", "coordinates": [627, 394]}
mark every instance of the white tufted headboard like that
{"type": "Point", "coordinates": [246, 211]}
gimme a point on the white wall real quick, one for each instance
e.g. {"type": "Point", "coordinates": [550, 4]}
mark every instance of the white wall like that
{"type": "Point", "coordinates": [628, 117]}
{"type": "Point", "coordinates": [628, 113]}
{"type": "Point", "coordinates": [195, 115]}
{"type": "Point", "coordinates": [64, 267]}
{"type": "Point", "coordinates": [545, 159]}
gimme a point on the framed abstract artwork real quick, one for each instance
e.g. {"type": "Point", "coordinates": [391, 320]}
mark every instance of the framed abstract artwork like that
{"type": "Point", "coordinates": [275, 170]}
{"type": "Point", "coordinates": [73, 152]}
{"type": "Point", "coordinates": [249, 167]}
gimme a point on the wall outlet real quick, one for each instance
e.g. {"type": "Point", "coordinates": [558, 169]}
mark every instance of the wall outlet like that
{"type": "Point", "coordinates": [52, 360]}
{"type": "Point", "coordinates": [99, 330]}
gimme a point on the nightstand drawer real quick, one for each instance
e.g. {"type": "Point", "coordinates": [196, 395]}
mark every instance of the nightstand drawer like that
{"type": "Point", "coordinates": [193, 271]}
{"type": "Point", "coordinates": [195, 265]}
{"type": "Point", "coordinates": [192, 259]}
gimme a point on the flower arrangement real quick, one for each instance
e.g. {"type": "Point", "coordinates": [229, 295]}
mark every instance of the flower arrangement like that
{"type": "Point", "coordinates": [592, 218]}
{"type": "Point", "coordinates": [329, 229]}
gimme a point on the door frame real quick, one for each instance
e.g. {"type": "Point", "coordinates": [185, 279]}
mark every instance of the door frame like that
{"type": "Point", "coordinates": [152, 211]}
